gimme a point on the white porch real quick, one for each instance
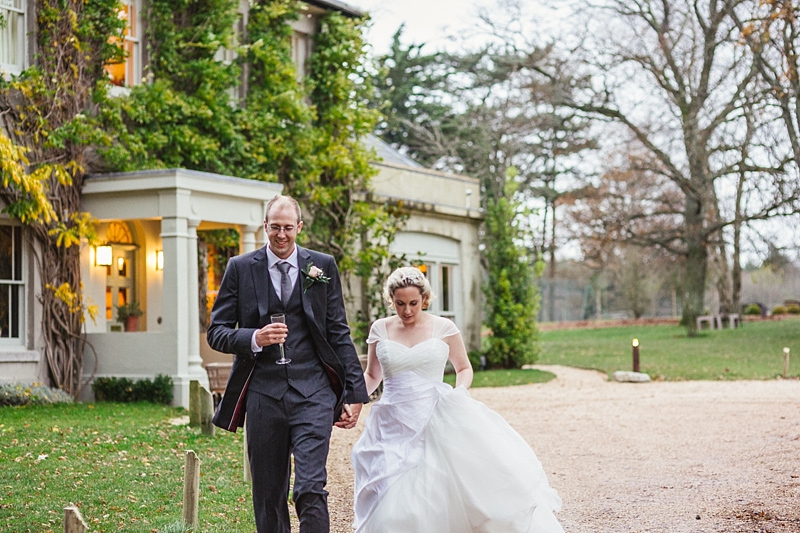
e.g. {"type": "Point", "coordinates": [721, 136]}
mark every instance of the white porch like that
{"type": "Point", "coordinates": [161, 211]}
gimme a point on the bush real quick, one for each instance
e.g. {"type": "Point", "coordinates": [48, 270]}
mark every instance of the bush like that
{"type": "Point", "coordinates": [31, 394]}
{"type": "Point", "coordinates": [158, 390]}
{"type": "Point", "coordinates": [793, 309]}
{"type": "Point", "coordinates": [753, 309]}
{"type": "Point", "coordinates": [779, 310]}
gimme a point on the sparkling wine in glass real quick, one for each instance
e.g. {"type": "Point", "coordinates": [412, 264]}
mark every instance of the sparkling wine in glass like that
{"type": "Point", "coordinates": [280, 319]}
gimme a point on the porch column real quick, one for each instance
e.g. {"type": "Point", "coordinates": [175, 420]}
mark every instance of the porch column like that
{"type": "Point", "coordinates": [249, 234]}
{"type": "Point", "coordinates": [195, 362]}
{"type": "Point", "coordinates": [181, 301]}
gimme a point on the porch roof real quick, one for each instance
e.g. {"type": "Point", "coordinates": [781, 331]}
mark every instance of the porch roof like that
{"type": "Point", "coordinates": [177, 192]}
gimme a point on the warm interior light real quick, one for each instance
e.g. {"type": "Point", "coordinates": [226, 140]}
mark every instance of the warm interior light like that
{"type": "Point", "coordinates": [159, 259]}
{"type": "Point", "coordinates": [635, 343]}
{"type": "Point", "coordinates": [102, 255]}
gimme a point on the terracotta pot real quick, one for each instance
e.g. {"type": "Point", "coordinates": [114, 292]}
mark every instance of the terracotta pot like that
{"type": "Point", "coordinates": [132, 323]}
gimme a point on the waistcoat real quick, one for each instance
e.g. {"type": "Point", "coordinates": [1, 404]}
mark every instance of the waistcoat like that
{"type": "Point", "coordinates": [305, 373]}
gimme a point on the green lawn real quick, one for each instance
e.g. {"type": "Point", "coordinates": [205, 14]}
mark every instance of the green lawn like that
{"type": "Point", "coordinates": [504, 378]}
{"type": "Point", "coordinates": [121, 464]}
{"type": "Point", "coordinates": [754, 351]}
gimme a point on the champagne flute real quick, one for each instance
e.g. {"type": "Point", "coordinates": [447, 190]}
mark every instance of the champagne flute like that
{"type": "Point", "coordinates": [280, 319]}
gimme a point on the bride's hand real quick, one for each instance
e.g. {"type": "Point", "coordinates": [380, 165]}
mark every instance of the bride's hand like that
{"type": "Point", "coordinates": [349, 416]}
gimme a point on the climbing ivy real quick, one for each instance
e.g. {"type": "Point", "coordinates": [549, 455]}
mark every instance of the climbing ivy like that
{"type": "Point", "coordinates": [49, 125]}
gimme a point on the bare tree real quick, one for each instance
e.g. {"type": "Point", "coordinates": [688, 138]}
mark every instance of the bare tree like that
{"type": "Point", "coordinates": [673, 75]}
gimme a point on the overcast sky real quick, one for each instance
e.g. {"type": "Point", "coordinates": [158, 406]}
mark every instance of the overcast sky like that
{"type": "Point", "coordinates": [428, 21]}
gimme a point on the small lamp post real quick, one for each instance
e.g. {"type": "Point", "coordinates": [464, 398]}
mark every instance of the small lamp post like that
{"type": "Point", "coordinates": [635, 345]}
{"type": "Point", "coordinates": [785, 363]}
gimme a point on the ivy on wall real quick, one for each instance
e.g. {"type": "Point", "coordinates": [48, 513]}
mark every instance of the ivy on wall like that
{"type": "Point", "coordinates": [248, 117]}
{"type": "Point", "coordinates": [303, 134]}
{"type": "Point", "coordinates": [49, 125]}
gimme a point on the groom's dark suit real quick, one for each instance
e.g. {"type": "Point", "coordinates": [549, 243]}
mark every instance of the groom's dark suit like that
{"type": "Point", "coordinates": [290, 408]}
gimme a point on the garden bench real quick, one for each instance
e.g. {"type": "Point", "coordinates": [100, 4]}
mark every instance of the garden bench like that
{"type": "Point", "coordinates": [217, 379]}
{"type": "Point", "coordinates": [708, 319]}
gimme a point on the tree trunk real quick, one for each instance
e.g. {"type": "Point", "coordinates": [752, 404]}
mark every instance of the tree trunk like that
{"type": "Point", "coordinates": [696, 265]}
{"type": "Point", "coordinates": [722, 273]}
{"type": "Point", "coordinates": [551, 270]}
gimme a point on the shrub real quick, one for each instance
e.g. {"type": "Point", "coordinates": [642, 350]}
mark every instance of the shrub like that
{"type": "Point", "coordinates": [753, 309]}
{"type": "Point", "coordinates": [793, 309]}
{"type": "Point", "coordinates": [157, 390]}
{"type": "Point", "coordinates": [779, 310]}
{"type": "Point", "coordinates": [31, 394]}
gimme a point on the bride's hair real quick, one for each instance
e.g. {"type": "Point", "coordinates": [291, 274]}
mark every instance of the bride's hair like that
{"type": "Point", "coordinates": [408, 277]}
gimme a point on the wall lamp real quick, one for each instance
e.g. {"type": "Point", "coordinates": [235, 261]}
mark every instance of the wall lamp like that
{"type": "Point", "coordinates": [102, 255]}
{"type": "Point", "coordinates": [159, 259]}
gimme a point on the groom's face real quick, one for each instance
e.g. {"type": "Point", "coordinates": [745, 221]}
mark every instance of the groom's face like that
{"type": "Point", "coordinates": [282, 228]}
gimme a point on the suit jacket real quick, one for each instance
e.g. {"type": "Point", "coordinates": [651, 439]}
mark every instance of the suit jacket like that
{"type": "Point", "coordinates": [242, 307]}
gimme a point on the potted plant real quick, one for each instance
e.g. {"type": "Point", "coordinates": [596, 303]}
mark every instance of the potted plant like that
{"type": "Point", "coordinates": [128, 314]}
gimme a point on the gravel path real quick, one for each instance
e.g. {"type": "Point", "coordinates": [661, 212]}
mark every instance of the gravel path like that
{"type": "Point", "coordinates": [655, 457]}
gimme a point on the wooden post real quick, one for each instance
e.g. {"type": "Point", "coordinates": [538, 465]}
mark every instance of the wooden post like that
{"type": "Point", "coordinates": [73, 521]}
{"type": "Point", "coordinates": [785, 363]}
{"type": "Point", "coordinates": [191, 489]}
{"type": "Point", "coordinates": [206, 412]}
{"type": "Point", "coordinates": [195, 401]}
{"type": "Point", "coordinates": [635, 345]}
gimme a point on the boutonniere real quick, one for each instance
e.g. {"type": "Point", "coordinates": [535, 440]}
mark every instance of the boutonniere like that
{"type": "Point", "coordinates": [312, 276]}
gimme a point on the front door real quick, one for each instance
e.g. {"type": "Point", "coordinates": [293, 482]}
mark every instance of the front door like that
{"type": "Point", "coordinates": [120, 287]}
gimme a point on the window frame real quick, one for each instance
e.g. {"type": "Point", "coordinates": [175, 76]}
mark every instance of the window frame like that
{"type": "Point", "coordinates": [6, 37]}
{"type": "Point", "coordinates": [18, 262]}
{"type": "Point", "coordinates": [132, 43]}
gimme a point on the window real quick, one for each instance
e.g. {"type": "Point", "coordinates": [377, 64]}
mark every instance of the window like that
{"type": "Point", "coordinates": [12, 286]}
{"type": "Point", "coordinates": [12, 36]}
{"type": "Point", "coordinates": [128, 72]}
{"type": "Point", "coordinates": [301, 52]}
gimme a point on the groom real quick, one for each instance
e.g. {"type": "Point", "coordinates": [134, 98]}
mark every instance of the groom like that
{"type": "Point", "coordinates": [290, 408]}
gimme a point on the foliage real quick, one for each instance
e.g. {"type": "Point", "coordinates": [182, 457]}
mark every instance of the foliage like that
{"type": "Point", "coordinates": [128, 309]}
{"type": "Point", "coordinates": [158, 390]}
{"type": "Point", "coordinates": [512, 300]}
{"type": "Point", "coordinates": [303, 134]}
{"type": "Point", "coordinates": [184, 118]}
{"type": "Point", "coordinates": [121, 464]}
{"type": "Point", "coordinates": [48, 125]}
{"type": "Point", "coordinates": [31, 394]}
{"type": "Point", "coordinates": [793, 309]}
{"type": "Point", "coordinates": [752, 309]}
{"type": "Point", "coordinates": [505, 378]}
{"type": "Point", "coordinates": [753, 351]}
{"type": "Point", "coordinates": [779, 310]}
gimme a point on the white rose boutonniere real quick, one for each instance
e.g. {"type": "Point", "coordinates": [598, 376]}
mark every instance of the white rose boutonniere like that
{"type": "Point", "coordinates": [313, 275]}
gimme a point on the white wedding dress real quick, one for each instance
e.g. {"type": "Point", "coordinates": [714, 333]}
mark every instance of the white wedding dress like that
{"type": "Point", "coordinates": [433, 460]}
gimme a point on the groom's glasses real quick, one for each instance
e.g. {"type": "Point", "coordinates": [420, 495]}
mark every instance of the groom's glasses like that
{"type": "Point", "coordinates": [274, 228]}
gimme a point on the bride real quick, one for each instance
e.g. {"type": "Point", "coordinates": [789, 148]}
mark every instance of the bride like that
{"type": "Point", "coordinates": [431, 459]}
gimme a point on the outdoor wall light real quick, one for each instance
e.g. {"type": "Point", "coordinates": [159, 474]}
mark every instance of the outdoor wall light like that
{"type": "Point", "coordinates": [120, 263]}
{"type": "Point", "coordinates": [102, 255]}
{"type": "Point", "coordinates": [159, 259]}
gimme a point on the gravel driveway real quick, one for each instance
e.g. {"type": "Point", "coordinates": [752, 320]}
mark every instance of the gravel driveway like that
{"type": "Point", "coordinates": [709, 456]}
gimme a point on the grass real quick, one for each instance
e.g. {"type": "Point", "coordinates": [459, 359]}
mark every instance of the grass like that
{"type": "Point", "coordinates": [754, 351]}
{"type": "Point", "coordinates": [505, 378]}
{"type": "Point", "coordinates": [121, 464]}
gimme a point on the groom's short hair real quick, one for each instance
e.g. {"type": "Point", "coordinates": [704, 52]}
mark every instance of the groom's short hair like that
{"type": "Point", "coordinates": [279, 199]}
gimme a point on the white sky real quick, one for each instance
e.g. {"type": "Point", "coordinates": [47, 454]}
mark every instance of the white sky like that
{"type": "Point", "coordinates": [427, 21]}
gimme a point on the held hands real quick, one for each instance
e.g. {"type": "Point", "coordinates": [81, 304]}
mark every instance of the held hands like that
{"type": "Point", "coordinates": [271, 334]}
{"type": "Point", "coordinates": [349, 416]}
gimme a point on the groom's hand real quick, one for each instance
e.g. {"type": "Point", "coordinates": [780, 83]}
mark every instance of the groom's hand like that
{"type": "Point", "coordinates": [349, 416]}
{"type": "Point", "coordinates": [271, 334]}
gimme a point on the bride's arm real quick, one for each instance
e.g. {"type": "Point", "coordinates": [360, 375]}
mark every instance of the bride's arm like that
{"type": "Point", "coordinates": [373, 374]}
{"type": "Point", "coordinates": [458, 356]}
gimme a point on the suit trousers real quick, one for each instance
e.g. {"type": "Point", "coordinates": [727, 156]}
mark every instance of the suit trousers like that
{"type": "Point", "coordinates": [276, 429]}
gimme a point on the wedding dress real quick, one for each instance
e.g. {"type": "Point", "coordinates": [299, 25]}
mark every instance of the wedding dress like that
{"type": "Point", "coordinates": [433, 460]}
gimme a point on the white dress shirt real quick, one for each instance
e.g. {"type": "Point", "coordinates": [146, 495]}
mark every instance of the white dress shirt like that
{"type": "Point", "coordinates": [275, 277]}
